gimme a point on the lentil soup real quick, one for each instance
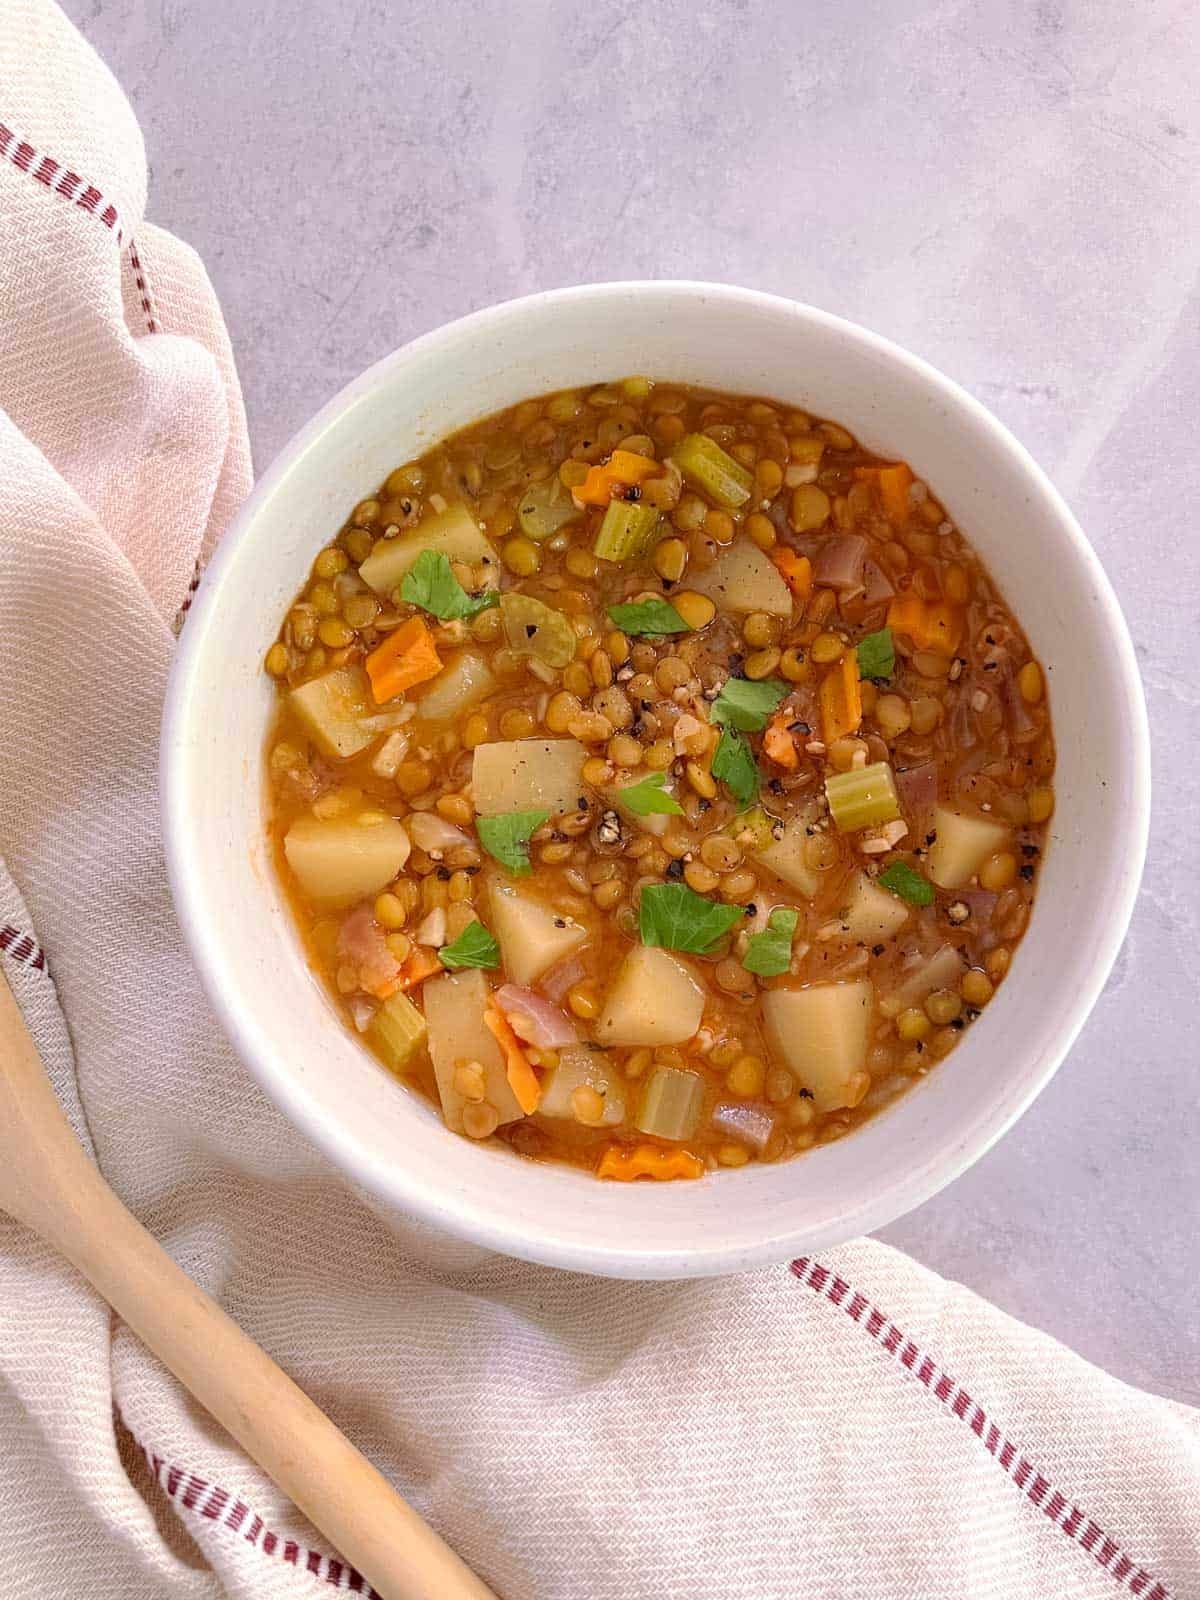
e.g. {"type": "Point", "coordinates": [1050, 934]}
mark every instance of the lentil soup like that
{"type": "Point", "coordinates": [659, 780]}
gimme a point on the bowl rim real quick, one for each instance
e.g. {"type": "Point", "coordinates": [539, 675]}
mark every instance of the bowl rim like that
{"type": "Point", "coordinates": [388, 1183]}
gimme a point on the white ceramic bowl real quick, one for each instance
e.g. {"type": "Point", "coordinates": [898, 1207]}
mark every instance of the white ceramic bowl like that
{"type": "Point", "coordinates": [389, 1140]}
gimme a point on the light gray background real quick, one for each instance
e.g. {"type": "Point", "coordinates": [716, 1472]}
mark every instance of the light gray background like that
{"type": "Point", "coordinates": [1010, 190]}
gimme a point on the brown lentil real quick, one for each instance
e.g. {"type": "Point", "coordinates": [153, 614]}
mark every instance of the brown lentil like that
{"type": "Point", "coordinates": [697, 610]}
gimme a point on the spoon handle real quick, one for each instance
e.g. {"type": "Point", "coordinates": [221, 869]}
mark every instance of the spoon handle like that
{"type": "Point", "coordinates": [47, 1182]}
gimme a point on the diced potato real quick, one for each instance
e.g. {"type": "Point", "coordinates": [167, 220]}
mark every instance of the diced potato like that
{"type": "Point", "coordinates": [962, 845]}
{"type": "Point", "coordinates": [654, 822]}
{"type": "Point", "coordinates": [528, 775]}
{"type": "Point", "coordinates": [398, 1031]}
{"type": "Point", "coordinates": [453, 533]}
{"type": "Point", "coordinates": [822, 1033]}
{"type": "Point", "coordinates": [743, 578]}
{"type": "Point", "coordinates": [580, 1067]}
{"type": "Point", "coordinates": [872, 913]}
{"type": "Point", "coordinates": [344, 859]}
{"type": "Point", "coordinates": [531, 936]}
{"type": "Point", "coordinates": [336, 708]}
{"type": "Point", "coordinates": [462, 682]}
{"type": "Point", "coordinates": [755, 830]}
{"type": "Point", "coordinates": [654, 1000]}
{"type": "Point", "coordinates": [785, 857]}
{"type": "Point", "coordinates": [941, 971]}
{"type": "Point", "coordinates": [454, 1007]}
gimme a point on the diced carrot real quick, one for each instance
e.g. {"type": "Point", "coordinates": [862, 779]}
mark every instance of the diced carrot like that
{"type": "Point", "coordinates": [418, 966]}
{"type": "Point", "coordinates": [778, 743]}
{"type": "Point", "coordinates": [796, 571]}
{"type": "Point", "coordinates": [522, 1079]}
{"type": "Point", "coordinates": [648, 1161]}
{"type": "Point", "coordinates": [622, 468]}
{"type": "Point", "coordinates": [406, 657]}
{"type": "Point", "coordinates": [931, 624]}
{"type": "Point", "coordinates": [841, 699]}
{"type": "Point", "coordinates": [894, 483]}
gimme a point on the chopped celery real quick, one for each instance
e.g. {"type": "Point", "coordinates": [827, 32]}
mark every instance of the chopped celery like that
{"type": "Point", "coordinates": [758, 825]}
{"type": "Point", "coordinates": [627, 531]}
{"type": "Point", "coordinates": [671, 1107]}
{"type": "Point", "coordinates": [863, 797]}
{"type": "Point", "coordinates": [398, 1031]}
{"type": "Point", "coordinates": [706, 466]}
{"type": "Point", "coordinates": [544, 508]}
{"type": "Point", "coordinates": [533, 628]}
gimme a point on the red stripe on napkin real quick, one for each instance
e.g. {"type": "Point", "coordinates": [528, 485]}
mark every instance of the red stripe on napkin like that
{"type": "Point", "coordinates": [950, 1393]}
{"type": "Point", "coordinates": [211, 1502]}
{"type": "Point", "coordinates": [25, 157]}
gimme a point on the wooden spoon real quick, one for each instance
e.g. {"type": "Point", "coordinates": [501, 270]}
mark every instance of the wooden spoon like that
{"type": "Point", "coordinates": [48, 1183]}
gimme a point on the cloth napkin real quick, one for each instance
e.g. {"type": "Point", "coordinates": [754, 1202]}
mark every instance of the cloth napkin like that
{"type": "Point", "coordinates": [853, 1426]}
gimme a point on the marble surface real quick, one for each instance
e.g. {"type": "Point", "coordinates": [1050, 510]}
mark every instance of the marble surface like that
{"type": "Point", "coordinates": [1009, 189]}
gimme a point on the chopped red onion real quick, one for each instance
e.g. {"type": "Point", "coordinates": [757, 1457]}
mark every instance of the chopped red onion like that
{"type": "Point", "coordinates": [430, 832]}
{"type": "Point", "coordinates": [361, 943]}
{"type": "Point", "coordinates": [917, 788]}
{"type": "Point", "coordinates": [545, 1026]}
{"type": "Point", "coordinates": [839, 562]}
{"type": "Point", "coordinates": [879, 586]}
{"type": "Point", "coordinates": [752, 1124]}
{"type": "Point", "coordinates": [361, 1012]}
{"type": "Point", "coordinates": [981, 901]}
{"type": "Point", "coordinates": [962, 724]}
{"type": "Point", "coordinates": [778, 515]}
{"type": "Point", "coordinates": [559, 978]}
{"type": "Point", "coordinates": [1023, 726]}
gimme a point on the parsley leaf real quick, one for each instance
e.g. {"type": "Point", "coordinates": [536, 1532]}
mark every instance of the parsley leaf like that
{"type": "Point", "coordinates": [474, 947]}
{"type": "Point", "coordinates": [649, 798]}
{"type": "Point", "coordinates": [648, 616]}
{"type": "Point", "coordinates": [906, 884]}
{"type": "Point", "coordinates": [677, 918]}
{"type": "Point", "coordinates": [747, 705]}
{"type": "Point", "coordinates": [430, 584]}
{"type": "Point", "coordinates": [770, 952]}
{"type": "Point", "coordinates": [735, 766]}
{"type": "Point", "coordinates": [876, 655]}
{"type": "Point", "coordinates": [507, 837]}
